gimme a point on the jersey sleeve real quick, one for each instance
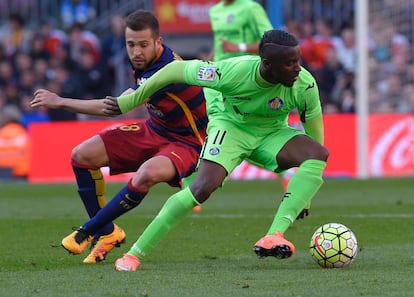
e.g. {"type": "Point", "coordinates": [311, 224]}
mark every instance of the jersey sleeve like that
{"type": "Point", "coordinates": [260, 19]}
{"type": "Point", "coordinates": [310, 110]}
{"type": "Point", "coordinates": [171, 73]}
{"type": "Point", "coordinates": [201, 73]}
{"type": "Point", "coordinates": [309, 106]}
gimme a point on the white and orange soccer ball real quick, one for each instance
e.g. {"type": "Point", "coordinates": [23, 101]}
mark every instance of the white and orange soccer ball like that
{"type": "Point", "coordinates": [333, 245]}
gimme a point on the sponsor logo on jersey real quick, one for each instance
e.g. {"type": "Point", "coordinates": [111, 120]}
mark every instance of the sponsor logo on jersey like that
{"type": "Point", "coordinates": [230, 18]}
{"type": "Point", "coordinates": [310, 86]}
{"type": "Point", "coordinates": [206, 73]}
{"type": "Point", "coordinates": [140, 81]}
{"type": "Point", "coordinates": [214, 151]}
{"type": "Point", "coordinates": [276, 103]}
{"type": "Point", "coordinates": [153, 110]}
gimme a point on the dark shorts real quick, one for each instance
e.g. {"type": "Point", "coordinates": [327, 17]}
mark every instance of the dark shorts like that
{"type": "Point", "coordinates": [129, 146]}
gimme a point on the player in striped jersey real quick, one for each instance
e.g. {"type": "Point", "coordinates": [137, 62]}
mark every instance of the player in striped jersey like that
{"type": "Point", "coordinates": [164, 148]}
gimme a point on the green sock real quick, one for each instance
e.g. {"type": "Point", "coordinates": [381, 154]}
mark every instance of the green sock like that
{"type": "Point", "coordinates": [173, 211]}
{"type": "Point", "coordinates": [302, 187]}
{"type": "Point", "coordinates": [186, 181]}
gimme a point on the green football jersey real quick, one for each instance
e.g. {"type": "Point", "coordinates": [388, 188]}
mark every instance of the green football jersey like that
{"type": "Point", "coordinates": [243, 21]}
{"type": "Point", "coordinates": [248, 98]}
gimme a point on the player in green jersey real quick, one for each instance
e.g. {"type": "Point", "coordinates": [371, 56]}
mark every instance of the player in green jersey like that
{"type": "Point", "coordinates": [237, 27]}
{"type": "Point", "coordinates": [250, 123]}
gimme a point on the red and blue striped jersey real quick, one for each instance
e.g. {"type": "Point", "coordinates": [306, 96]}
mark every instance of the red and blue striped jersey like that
{"type": "Point", "coordinates": [177, 111]}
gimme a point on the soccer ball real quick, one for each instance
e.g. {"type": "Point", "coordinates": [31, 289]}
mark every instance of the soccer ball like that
{"type": "Point", "coordinates": [333, 245]}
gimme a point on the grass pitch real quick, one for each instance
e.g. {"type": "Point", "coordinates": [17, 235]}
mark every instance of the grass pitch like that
{"type": "Point", "coordinates": [210, 253]}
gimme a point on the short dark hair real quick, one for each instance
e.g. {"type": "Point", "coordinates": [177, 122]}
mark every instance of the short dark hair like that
{"type": "Point", "coordinates": [277, 37]}
{"type": "Point", "coordinates": [143, 19]}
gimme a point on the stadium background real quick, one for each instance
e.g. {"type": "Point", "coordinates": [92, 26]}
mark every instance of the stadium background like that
{"type": "Point", "coordinates": [185, 28]}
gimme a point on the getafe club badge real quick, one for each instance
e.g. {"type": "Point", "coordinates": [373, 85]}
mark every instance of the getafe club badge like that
{"type": "Point", "coordinates": [230, 18]}
{"type": "Point", "coordinates": [206, 73]}
{"type": "Point", "coordinates": [214, 151]}
{"type": "Point", "coordinates": [276, 103]}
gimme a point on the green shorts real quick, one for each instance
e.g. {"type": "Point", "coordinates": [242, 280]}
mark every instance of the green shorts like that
{"type": "Point", "coordinates": [229, 143]}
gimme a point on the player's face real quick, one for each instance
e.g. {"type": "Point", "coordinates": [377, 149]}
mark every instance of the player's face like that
{"type": "Point", "coordinates": [283, 67]}
{"type": "Point", "coordinates": [142, 47]}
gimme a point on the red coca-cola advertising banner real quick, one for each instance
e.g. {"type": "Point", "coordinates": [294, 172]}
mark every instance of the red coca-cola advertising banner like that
{"type": "Point", "coordinates": [390, 148]}
{"type": "Point", "coordinates": [391, 145]}
{"type": "Point", "coordinates": [181, 16]}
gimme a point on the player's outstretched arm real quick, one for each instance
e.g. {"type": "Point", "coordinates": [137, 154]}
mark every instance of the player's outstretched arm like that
{"type": "Point", "coordinates": [49, 99]}
{"type": "Point", "coordinates": [171, 73]}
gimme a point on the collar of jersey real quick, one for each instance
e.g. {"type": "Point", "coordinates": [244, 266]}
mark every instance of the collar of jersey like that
{"type": "Point", "coordinates": [261, 82]}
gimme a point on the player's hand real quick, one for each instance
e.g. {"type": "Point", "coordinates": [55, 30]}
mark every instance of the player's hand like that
{"type": "Point", "coordinates": [228, 46]}
{"type": "Point", "coordinates": [304, 213]}
{"type": "Point", "coordinates": [111, 106]}
{"type": "Point", "coordinates": [45, 98]}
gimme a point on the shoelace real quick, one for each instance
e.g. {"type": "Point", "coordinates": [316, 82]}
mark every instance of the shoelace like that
{"type": "Point", "coordinates": [81, 235]}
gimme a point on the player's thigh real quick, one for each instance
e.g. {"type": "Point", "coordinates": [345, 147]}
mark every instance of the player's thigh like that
{"type": "Point", "coordinates": [183, 159]}
{"type": "Point", "coordinates": [129, 146]}
{"type": "Point", "coordinates": [227, 144]}
{"type": "Point", "coordinates": [265, 155]}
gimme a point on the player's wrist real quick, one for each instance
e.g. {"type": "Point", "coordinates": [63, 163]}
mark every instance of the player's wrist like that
{"type": "Point", "coordinates": [242, 47]}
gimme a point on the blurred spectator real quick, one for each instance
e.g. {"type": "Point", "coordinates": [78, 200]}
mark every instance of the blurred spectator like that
{"type": "Point", "coordinates": [385, 41]}
{"type": "Point", "coordinates": [41, 72]}
{"type": "Point", "coordinates": [25, 77]}
{"type": "Point", "coordinates": [22, 62]}
{"type": "Point", "coordinates": [14, 36]}
{"type": "Point", "coordinates": [2, 52]}
{"type": "Point", "coordinates": [62, 58]}
{"type": "Point", "coordinates": [8, 81]}
{"type": "Point", "coordinates": [306, 32]}
{"type": "Point", "coordinates": [3, 99]}
{"type": "Point", "coordinates": [66, 85]}
{"type": "Point", "coordinates": [406, 104]}
{"type": "Point", "coordinates": [31, 115]}
{"type": "Point", "coordinates": [114, 57]}
{"type": "Point", "coordinates": [38, 48]}
{"type": "Point", "coordinates": [91, 76]}
{"type": "Point", "coordinates": [53, 37]}
{"type": "Point", "coordinates": [323, 40]}
{"type": "Point", "coordinates": [376, 101]}
{"type": "Point", "coordinates": [27, 82]}
{"type": "Point", "coordinates": [346, 48]}
{"type": "Point", "coordinates": [14, 142]}
{"type": "Point", "coordinates": [75, 11]}
{"type": "Point", "coordinates": [80, 38]}
{"type": "Point", "coordinates": [390, 88]}
{"type": "Point", "coordinates": [343, 92]}
{"type": "Point", "coordinates": [327, 76]}
{"type": "Point", "coordinates": [348, 101]}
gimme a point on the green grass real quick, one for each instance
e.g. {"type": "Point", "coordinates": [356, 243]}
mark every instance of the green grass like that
{"type": "Point", "coordinates": [210, 253]}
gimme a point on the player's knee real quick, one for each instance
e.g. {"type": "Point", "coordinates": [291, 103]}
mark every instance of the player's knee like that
{"type": "Point", "coordinates": [144, 178]}
{"type": "Point", "coordinates": [78, 155]}
{"type": "Point", "coordinates": [202, 191]}
{"type": "Point", "coordinates": [322, 153]}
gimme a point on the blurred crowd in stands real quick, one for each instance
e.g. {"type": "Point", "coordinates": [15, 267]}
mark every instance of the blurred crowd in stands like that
{"type": "Point", "coordinates": [68, 59]}
{"type": "Point", "coordinates": [332, 58]}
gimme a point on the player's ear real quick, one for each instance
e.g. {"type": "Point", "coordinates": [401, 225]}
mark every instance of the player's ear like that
{"type": "Point", "coordinates": [266, 63]}
{"type": "Point", "coordinates": [158, 41]}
